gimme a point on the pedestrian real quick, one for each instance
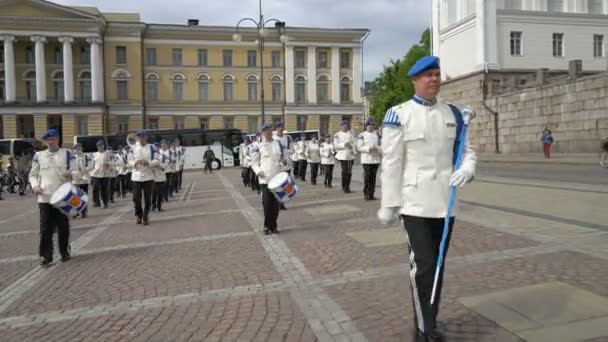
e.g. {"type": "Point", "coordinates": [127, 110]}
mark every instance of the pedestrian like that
{"type": "Point", "coordinates": [80, 174]}
{"type": "Point", "coordinates": [99, 175]}
{"type": "Point", "coordinates": [344, 143]}
{"type": "Point", "coordinates": [208, 157]}
{"type": "Point", "coordinates": [51, 168]}
{"type": "Point", "coordinates": [313, 156]}
{"type": "Point", "coordinates": [368, 145]}
{"type": "Point", "coordinates": [418, 144]}
{"type": "Point", "coordinates": [328, 159]}
{"type": "Point", "coordinates": [143, 159]}
{"type": "Point", "coordinates": [547, 140]}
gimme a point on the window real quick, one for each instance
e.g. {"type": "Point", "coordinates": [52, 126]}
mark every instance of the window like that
{"type": "Point", "coordinates": [252, 124]}
{"type": "Point", "coordinates": [121, 55]}
{"type": "Point", "coordinates": [324, 125]}
{"type": "Point", "coordinates": [276, 88]}
{"type": "Point", "coordinates": [555, 5]}
{"type": "Point", "coordinates": [558, 45]}
{"type": "Point", "coordinates": [152, 123]}
{"type": "Point", "coordinates": [30, 85]}
{"type": "Point", "coordinates": [150, 56]}
{"type": "Point", "coordinates": [178, 123]}
{"type": "Point", "coordinates": [300, 89]}
{"type": "Point", "coordinates": [251, 58]}
{"type": "Point", "coordinates": [598, 45]}
{"type": "Point", "coordinates": [152, 87]}
{"type": "Point", "coordinates": [178, 87]}
{"type": "Point", "coordinates": [29, 55]}
{"type": "Point", "coordinates": [252, 88]}
{"type": "Point", "coordinates": [516, 44]}
{"type": "Point", "coordinates": [322, 59]}
{"type": "Point", "coordinates": [595, 6]}
{"type": "Point", "coordinates": [345, 59]}
{"type": "Point", "coordinates": [228, 123]}
{"type": "Point", "coordinates": [228, 84]}
{"type": "Point", "coordinates": [177, 56]}
{"type": "Point", "coordinates": [301, 122]}
{"type": "Point", "coordinates": [58, 85]}
{"type": "Point", "coordinates": [276, 59]}
{"type": "Point", "coordinates": [323, 89]}
{"type": "Point", "coordinates": [1, 54]}
{"type": "Point", "coordinates": [227, 58]}
{"type": "Point", "coordinates": [85, 86]}
{"type": "Point", "coordinates": [202, 57]}
{"type": "Point", "coordinates": [204, 123]}
{"type": "Point", "coordinates": [58, 55]}
{"type": "Point", "coordinates": [123, 125]}
{"type": "Point", "coordinates": [344, 89]}
{"type": "Point", "coordinates": [513, 5]}
{"type": "Point", "coordinates": [122, 90]}
{"type": "Point", "coordinates": [300, 59]}
{"type": "Point", "coordinates": [85, 55]}
{"type": "Point", "coordinates": [82, 125]}
{"type": "Point", "coordinates": [203, 88]}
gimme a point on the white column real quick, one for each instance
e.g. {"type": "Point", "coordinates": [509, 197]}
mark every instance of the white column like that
{"type": "Point", "coordinates": [40, 68]}
{"type": "Point", "coordinates": [68, 71]}
{"type": "Point", "coordinates": [312, 74]}
{"type": "Point", "coordinates": [9, 68]}
{"type": "Point", "coordinates": [480, 30]}
{"type": "Point", "coordinates": [491, 33]}
{"type": "Point", "coordinates": [96, 70]}
{"type": "Point", "coordinates": [357, 77]}
{"type": "Point", "coordinates": [436, 23]}
{"type": "Point", "coordinates": [335, 74]}
{"type": "Point", "coordinates": [289, 74]}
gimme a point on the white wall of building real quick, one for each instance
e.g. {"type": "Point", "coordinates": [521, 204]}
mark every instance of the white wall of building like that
{"type": "Point", "coordinates": [458, 51]}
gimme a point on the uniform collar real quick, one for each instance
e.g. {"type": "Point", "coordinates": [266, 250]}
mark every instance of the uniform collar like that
{"type": "Point", "coordinates": [424, 102]}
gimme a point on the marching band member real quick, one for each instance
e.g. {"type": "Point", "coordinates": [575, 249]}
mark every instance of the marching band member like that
{"type": "Point", "coordinates": [294, 162]}
{"type": "Point", "coordinates": [328, 160]}
{"type": "Point", "coordinates": [160, 177]}
{"type": "Point", "coordinates": [99, 176]}
{"type": "Point", "coordinates": [321, 167]}
{"type": "Point", "coordinates": [344, 143]}
{"type": "Point", "coordinates": [50, 169]}
{"type": "Point", "coordinates": [254, 181]}
{"type": "Point", "coordinates": [80, 174]}
{"type": "Point", "coordinates": [112, 173]}
{"type": "Point", "coordinates": [368, 144]}
{"type": "Point", "coordinates": [128, 169]}
{"type": "Point", "coordinates": [313, 158]}
{"type": "Point", "coordinates": [181, 161]}
{"type": "Point", "coordinates": [301, 154]}
{"type": "Point", "coordinates": [243, 163]}
{"type": "Point", "coordinates": [418, 144]}
{"type": "Point", "coordinates": [268, 160]}
{"type": "Point", "coordinates": [143, 159]}
{"type": "Point", "coordinates": [285, 140]}
{"type": "Point", "coordinates": [123, 169]}
{"type": "Point", "coordinates": [167, 155]}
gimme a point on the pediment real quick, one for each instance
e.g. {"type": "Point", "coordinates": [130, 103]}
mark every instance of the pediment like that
{"type": "Point", "coordinates": [40, 9]}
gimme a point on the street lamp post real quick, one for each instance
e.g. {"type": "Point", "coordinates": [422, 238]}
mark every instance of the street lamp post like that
{"type": "Point", "coordinates": [262, 34]}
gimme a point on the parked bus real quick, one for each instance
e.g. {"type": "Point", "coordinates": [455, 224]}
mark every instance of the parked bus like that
{"type": "Point", "coordinates": [223, 142]}
{"type": "Point", "coordinates": [18, 147]}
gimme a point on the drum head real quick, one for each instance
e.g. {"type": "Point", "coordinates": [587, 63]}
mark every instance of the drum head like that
{"type": "Point", "coordinates": [60, 193]}
{"type": "Point", "coordinates": [278, 180]}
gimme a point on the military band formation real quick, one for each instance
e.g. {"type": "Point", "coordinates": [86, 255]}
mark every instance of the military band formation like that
{"type": "Point", "coordinates": [423, 152]}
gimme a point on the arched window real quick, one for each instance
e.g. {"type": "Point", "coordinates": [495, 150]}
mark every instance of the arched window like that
{"type": "Point", "coordinates": [203, 87]}
{"type": "Point", "coordinates": [122, 85]}
{"type": "Point", "coordinates": [323, 88]}
{"type": "Point", "coordinates": [228, 87]}
{"type": "Point", "coordinates": [252, 88]}
{"type": "Point", "coordinates": [300, 89]}
{"type": "Point", "coordinates": [276, 88]}
{"type": "Point", "coordinates": [345, 89]}
{"type": "Point", "coordinates": [178, 87]}
{"type": "Point", "coordinates": [30, 85]}
{"type": "Point", "coordinates": [85, 85]}
{"type": "Point", "coordinates": [152, 87]}
{"type": "Point", "coordinates": [58, 85]}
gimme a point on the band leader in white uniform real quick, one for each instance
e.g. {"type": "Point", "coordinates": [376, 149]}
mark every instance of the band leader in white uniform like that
{"type": "Point", "coordinates": [313, 159]}
{"type": "Point", "coordinates": [418, 145]}
{"type": "Point", "coordinates": [344, 143]}
{"type": "Point", "coordinates": [368, 145]}
{"type": "Point", "coordinates": [328, 160]}
{"type": "Point", "coordinates": [143, 159]}
{"type": "Point", "coordinates": [80, 174]}
{"type": "Point", "coordinates": [50, 169]}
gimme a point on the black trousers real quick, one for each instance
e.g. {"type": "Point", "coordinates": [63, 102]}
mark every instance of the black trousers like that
{"type": "Point", "coordinates": [296, 168]}
{"type": "Point", "coordinates": [111, 188]}
{"type": "Point", "coordinates": [347, 172]}
{"type": "Point", "coordinates": [85, 188]}
{"type": "Point", "coordinates": [158, 195]}
{"type": "Point", "coordinates": [302, 169]}
{"type": "Point", "coordinates": [329, 174]}
{"type": "Point", "coordinates": [254, 181]}
{"type": "Point", "coordinates": [145, 188]}
{"type": "Point", "coordinates": [321, 170]}
{"type": "Point", "coordinates": [179, 179]}
{"type": "Point", "coordinates": [245, 176]}
{"type": "Point", "coordinates": [122, 185]}
{"type": "Point", "coordinates": [369, 179]}
{"type": "Point", "coordinates": [168, 186]}
{"type": "Point", "coordinates": [208, 166]}
{"type": "Point", "coordinates": [424, 236]}
{"type": "Point", "coordinates": [100, 189]}
{"type": "Point", "coordinates": [50, 219]}
{"type": "Point", "coordinates": [314, 170]}
{"type": "Point", "coordinates": [271, 208]}
{"type": "Point", "coordinates": [129, 183]}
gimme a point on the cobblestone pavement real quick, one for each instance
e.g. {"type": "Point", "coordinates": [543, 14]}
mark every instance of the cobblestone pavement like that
{"type": "Point", "coordinates": [202, 270]}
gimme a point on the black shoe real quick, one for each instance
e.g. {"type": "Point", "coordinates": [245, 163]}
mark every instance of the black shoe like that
{"type": "Point", "coordinates": [283, 207]}
{"type": "Point", "coordinates": [46, 263]}
{"type": "Point", "coordinates": [65, 257]}
{"type": "Point", "coordinates": [267, 231]}
{"type": "Point", "coordinates": [105, 206]}
{"type": "Point", "coordinates": [347, 191]}
{"type": "Point", "coordinates": [146, 222]}
{"type": "Point", "coordinates": [314, 182]}
{"type": "Point", "coordinates": [365, 198]}
{"type": "Point", "coordinates": [436, 336]}
{"type": "Point", "coordinates": [160, 209]}
{"type": "Point", "coordinates": [275, 231]}
{"type": "Point", "coordinates": [138, 220]}
{"type": "Point", "coordinates": [371, 198]}
{"type": "Point", "coordinates": [22, 194]}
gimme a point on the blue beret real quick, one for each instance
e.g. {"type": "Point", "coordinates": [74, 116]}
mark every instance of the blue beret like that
{"type": "Point", "coordinates": [368, 122]}
{"type": "Point", "coordinates": [140, 133]}
{"type": "Point", "coordinates": [163, 141]}
{"type": "Point", "coordinates": [109, 149]}
{"type": "Point", "coordinates": [266, 126]}
{"type": "Point", "coordinates": [344, 122]}
{"type": "Point", "coordinates": [423, 64]}
{"type": "Point", "coordinates": [100, 143]}
{"type": "Point", "coordinates": [50, 134]}
{"type": "Point", "coordinates": [278, 124]}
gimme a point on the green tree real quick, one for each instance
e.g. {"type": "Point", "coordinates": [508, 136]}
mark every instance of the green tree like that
{"type": "Point", "coordinates": [393, 86]}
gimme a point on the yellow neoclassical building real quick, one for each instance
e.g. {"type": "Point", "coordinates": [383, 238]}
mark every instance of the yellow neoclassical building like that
{"type": "Point", "coordinates": [90, 73]}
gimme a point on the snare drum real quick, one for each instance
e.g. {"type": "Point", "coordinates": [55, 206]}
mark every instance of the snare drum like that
{"type": "Point", "coordinates": [69, 199]}
{"type": "Point", "coordinates": [283, 187]}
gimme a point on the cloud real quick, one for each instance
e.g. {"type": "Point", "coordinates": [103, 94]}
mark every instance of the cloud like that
{"type": "Point", "coordinates": [395, 24]}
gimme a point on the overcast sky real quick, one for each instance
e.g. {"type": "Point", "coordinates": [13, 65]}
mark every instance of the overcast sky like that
{"type": "Point", "coordinates": [395, 24]}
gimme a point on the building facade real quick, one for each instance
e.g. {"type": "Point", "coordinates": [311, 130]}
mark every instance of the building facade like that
{"type": "Point", "coordinates": [89, 73]}
{"type": "Point", "coordinates": [473, 35]}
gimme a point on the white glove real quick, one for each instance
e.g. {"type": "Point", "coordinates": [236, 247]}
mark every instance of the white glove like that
{"type": "Point", "coordinates": [461, 177]}
{"type": "Point", "coordinates": [388, 215]}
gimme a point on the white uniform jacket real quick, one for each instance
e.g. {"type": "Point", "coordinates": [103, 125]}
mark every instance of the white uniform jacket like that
{"type": "Point", "coordinates": [288, 147]}
{"type": "Point", "coordinates": [344, 143]}
{"type": "Point", "coordinates": [116, 165]}
{"type": "Point", "coordinates": [365, 141]}
{"type": "Point", "coordinates": [300, 149]}
{"type": "Point", "coordinates": [124, 165]}
{"type": "Point", "coordinates": [328, 154]}
{"type": "Point", "coordinates": [101, 165]}
{"type": "Point", "coordinates": [267, 157]}
{"type": "Point", "coordinates": [172, 160]}
{"type": "Point", "coordinates": [418, 150]}
{"type": "Point", "coordinates": [82, 164]}
{"type": "Point", "coordinates": [181, 158]}
{"type": "Point", "coordinates": [147, 153]}
{"type": "Point", "coordinates": [242, 154]}
{"type": "Point", "coordinates": [163, 163]}
{"type": "Point", "coordinates": [48, 169]}
{"type": "Point", "coordinates": [313, 153]}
